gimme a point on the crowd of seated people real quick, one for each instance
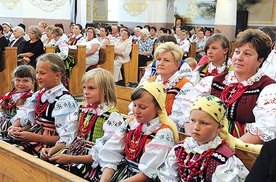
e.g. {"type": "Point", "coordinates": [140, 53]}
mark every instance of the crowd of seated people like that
{"type": "Point", "coordinates": [239, 82]}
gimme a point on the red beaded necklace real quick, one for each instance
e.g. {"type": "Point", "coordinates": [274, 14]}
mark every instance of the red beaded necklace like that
{"type": "Point", "coordinates": [135, 142]}
{"type": "Point", "coordinates": [238, 89]}
{"type": "Point", "coordinates": [11, 104]}
{"type": "Point", "coordinates": [40, 108]}
{"type": "Point", "coordinates": [195, 168]}
{"type": "Point", "coordinates": [86, 123]}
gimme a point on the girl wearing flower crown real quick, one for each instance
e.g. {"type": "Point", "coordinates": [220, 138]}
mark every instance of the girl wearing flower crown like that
{"type": "Point", "coordinates": [143, 141]}
{"type": "Point", "coordinates": [208, 154]}
{"type": "Point", "coordinates": [92, 124]}
{"type": "Point", "coordinates": [47, 109]}
{"type": "Point", "coordinates": [23, 83]}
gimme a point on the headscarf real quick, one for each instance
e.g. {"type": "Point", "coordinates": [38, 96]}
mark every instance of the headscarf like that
{"type": "Point", "coordinates": [158, 91]}
{"type": "Point", "coordinates": [216, 108]}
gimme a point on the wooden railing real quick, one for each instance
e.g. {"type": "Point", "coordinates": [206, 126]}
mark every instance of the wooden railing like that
{"type": "Point", "coordinates": [8, 64]}
{"type": "Point", "coordinates": [16, 165]}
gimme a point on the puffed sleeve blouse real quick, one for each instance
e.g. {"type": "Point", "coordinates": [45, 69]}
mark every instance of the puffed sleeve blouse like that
{"type": "Point", "coordinates": [65, 105]}
{"type": "Point", "coordinates": [155, 151]}
{"type": "Point", "coordinates": [264, 111]}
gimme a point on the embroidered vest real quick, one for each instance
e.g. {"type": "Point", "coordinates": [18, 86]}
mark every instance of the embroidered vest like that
{"type": "Point", "coordinates": [97, 129]}
{"type": "Point", "coordinates": [171, 93]}
{"type": "Point", "coordinates": [204, 69]}
{"type": "Point", "coordinates": [241, 110]}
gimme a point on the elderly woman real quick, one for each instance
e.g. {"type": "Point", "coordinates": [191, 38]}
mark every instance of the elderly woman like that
{"type": "Point", "coordinates": [62, 48]}
{"type": "Point", "coordinates": [122, 51]}
{"type": "Point", "coordinates": [34, 47]}
{"type": "Point", "coordinates": [92, 48]}
{"type": "Point", "coordinates": [168, 57]}
{"type": "Point", "coordinates": [49, 40]}
{"type": "Point", "coordinates": [217, 49]}
{"type": "Point", "coordinates": [19, 40]}
{"type": "Point", "coordinates": [248, 93]}
{"type": "Point", "coordinates": [145, 48]}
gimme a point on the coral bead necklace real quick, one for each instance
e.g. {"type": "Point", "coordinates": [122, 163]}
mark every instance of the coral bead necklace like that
{"type": "Point", "coordinates": [40, 107]}
{"type": "Point", "coordinates": [194, 168]}
{"type": "Point", "coordinates": [237, 90]}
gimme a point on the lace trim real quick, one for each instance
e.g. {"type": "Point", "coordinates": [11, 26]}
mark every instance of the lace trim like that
{"type": "Point", "coordinates": [231, 78]}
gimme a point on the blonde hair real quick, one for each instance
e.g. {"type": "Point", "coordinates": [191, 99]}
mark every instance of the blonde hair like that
{"type": "Point", "coordinates": [105, 82]}
{"type": "Point", "coordinates": [192, 62]}
{"type": "Point", "coordinates": [172, 48]}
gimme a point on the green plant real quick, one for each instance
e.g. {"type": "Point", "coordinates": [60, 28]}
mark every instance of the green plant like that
{"type": "Point", "coordinates": [244, 5]}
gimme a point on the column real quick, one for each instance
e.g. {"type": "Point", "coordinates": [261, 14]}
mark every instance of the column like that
{"type": "Point", "coordinates": [225, 19]}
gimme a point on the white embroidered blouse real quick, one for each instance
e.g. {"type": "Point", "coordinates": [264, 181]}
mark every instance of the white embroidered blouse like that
{"type": "Point", "coordinates": [232, 170]}
{"type": "Point", "coordinates": [155, 151]}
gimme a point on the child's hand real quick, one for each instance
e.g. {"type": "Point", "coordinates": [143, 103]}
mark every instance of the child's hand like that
{"type": "Point", "coordinates": [23, 136]}
{"type": "Point", "coordinates": [60, 158]}
{"type": "Point", "coordinates": [45, 153]}
{"type": "Point", "coordinates": [13, 129]}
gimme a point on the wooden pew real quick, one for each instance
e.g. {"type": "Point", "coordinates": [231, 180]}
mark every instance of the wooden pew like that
{"type": "Point", "coordinates": [75, 82]}
{"type": "Point", "coordinates": [247, 157]}
{"type": "Point", "coordinates": [131, 68]}
{"type": "Point", "coordinates": [106, 58]}
{"type": "Point", "coordinates": [192, 51]}
{"type": "Point", "coordinates": [9, 63]}
{"type": "Point", "coordinates": [232, 48]}
{"type": "Point", "coordinates": [16, 165]}
{"type": "Point", "coordinates": [79, 54]}
{"type": "Point", "coordinates": [123, 98]}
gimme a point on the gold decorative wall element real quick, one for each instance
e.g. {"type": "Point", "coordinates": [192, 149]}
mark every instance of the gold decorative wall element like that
{"type": "Point", "coordinates": [9, 4]}
{"type": "Point", "coordinates": [191, 11]}
{"type": "Point", "coordinates": [100, 9]}
{"type": "Point", "coordinates": [134, 7]}
{"type": "Point", "coordinates": [262, 13]}
{"type": "Point", "coordinates": [88, 10]}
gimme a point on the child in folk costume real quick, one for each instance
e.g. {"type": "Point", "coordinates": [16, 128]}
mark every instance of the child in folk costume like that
{"type": "Point", "coordinates": [23, 82]}
{"type": "Point", "coordinates": [208, 154]}
{"type": "Point", "coordinates": [94, 122]}
{"type": "Point", "coordinates": [143, 140]}
{"type": "Point", "coordinates": [47, 109]}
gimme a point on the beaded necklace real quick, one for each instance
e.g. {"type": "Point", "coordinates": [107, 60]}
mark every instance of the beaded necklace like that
{"type": "Point", "coordinates": [40, 107]}
{"type": "Point", "coordinates": [86, 122]}
{"type": "Point", "coordinates": [194, 168]}
{"type": "Point", "coordinates": [237, 90]}
{"type": "Point", "coordinates": [11, 104]}
{"type": "Point", "coordinates": [134, 143]}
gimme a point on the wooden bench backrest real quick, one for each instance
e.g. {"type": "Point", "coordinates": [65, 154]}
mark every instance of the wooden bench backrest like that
{"type": "Point", "coordinates": [232, 48]}
{"type": "Point", "coordinates": [123, 98]}
{"type": "Point", "coordinates": [131, 68]}
{"type": "Point", "coordinates": [79, 54]}
{"type": "Point", "coordinates": [106, 58]}
{"type": "Point", "coordinates": [9, 63]}
{"type": "Point", "coordinates": [192, 50]}
{"type": "Point", "coordinates": [247, 157]}
{"type": "Point", "coordinates": [16, 165]}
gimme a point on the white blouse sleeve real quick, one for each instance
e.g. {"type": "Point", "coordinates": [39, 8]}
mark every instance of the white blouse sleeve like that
{"type": "Point", "coordinates": [112, 152]}
{"type": "Point", "coordinates": [68, 132]}
{"type": "Point", "coordinates": [186, 71]}
{"type": "Point", "coordinates": [64, 106]}
{"type": "Point", "coordinates": [179, 108]}
{"type": "Point", "coordinates": [168, 171]}
{"type": "Point", "coordinates": [25, 112]}
{"type": "Point", "coordinates": [64, 50]}
{"type": "Point", "coordinates": [114, 121]}
{"type": "Point", "coordinates": [265, 114]}
{"type": "Point", "coordinates": [147, 73]}
{"type": "Point", "coordinates": [156, 152]}
{"type": "Point", "coordinates": [232, 170]}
